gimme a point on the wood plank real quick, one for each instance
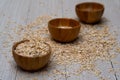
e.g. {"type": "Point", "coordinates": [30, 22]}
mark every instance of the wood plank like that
{"type": "Point", "coordinates": [42, 8]}
{"type": "Point", "coordinates": [54, 9]}
{"type": "Point", "coordinates": [114, 17]}
{"type": "Point", "coordinates": [31, 12]}
{"type": "Point", "coordinates": [7, 71]}
{"type": "Point", "coordinates": [112, 14]}
{"type": "Point", "coordinates": [13, 12]}
{"type": "Point", "coordinates": [68, 11]}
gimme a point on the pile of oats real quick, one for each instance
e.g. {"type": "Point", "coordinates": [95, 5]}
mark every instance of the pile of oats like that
{"type": "Point", "coordinates": [32, 48]}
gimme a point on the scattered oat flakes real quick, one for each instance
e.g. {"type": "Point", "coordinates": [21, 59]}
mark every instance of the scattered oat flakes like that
{"type": "Point", "coordinates": [94, 43]}
{"type": "Point", "coordinates": [118, 49]}
{"type": "Point", "coordinates": [34, 79]}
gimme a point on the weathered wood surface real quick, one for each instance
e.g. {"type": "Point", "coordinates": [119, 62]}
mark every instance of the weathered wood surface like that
{"type": "Point", "coordinates": [25, 11]}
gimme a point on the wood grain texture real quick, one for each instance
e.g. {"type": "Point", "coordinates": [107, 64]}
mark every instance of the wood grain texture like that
{"type": "Point", "coordinates": [25, 11]}
{"type": "Point", "coordinates": [112, 20]}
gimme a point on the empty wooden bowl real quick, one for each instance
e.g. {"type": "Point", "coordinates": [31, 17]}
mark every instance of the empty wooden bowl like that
{"type": "Point", "coordinates": [89, 12]}
{"type": "Point", "coordinates": [64, 29]}
{"type": "Point", "coordinates": [30, 63]}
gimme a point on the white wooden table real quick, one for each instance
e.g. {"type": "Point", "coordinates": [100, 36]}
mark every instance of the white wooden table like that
{"type": "Point", "coordinates": [25, 11]}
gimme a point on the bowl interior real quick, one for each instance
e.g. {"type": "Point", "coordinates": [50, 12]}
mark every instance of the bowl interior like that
{"type": "Point", "coordinates": [64, 23]}
{"type": "Point", "coordinates": [16, 44]}
{"type": "Point", "coordinates": [90, 6]}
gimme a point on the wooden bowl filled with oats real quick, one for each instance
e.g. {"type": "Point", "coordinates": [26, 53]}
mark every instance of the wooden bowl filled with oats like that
{"type": "Point", "coordinates": [31, 55]}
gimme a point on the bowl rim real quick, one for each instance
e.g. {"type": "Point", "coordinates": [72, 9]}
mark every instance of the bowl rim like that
{"type": "Point", "coordinates": [22, 41]}
{"type": "Point", "coordinates": [77, 26]}
{"type": "Point", "coordinates": [100, 4]}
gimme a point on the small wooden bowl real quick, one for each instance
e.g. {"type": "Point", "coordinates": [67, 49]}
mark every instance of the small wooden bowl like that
{"type": "Point", "coordinates": [89, 12]}
{"type": "Point", "coordinates": [30, 63]}
{"type": "Point", "coordinates": [64, 29]}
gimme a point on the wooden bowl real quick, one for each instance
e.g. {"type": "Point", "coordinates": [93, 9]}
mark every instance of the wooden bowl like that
{"type": "Point", "coordinates": [64, 29]}
{"type": "Point", "coordinates": [30, 63]}
{"type": "Point", "coordinates": [89, 12]}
